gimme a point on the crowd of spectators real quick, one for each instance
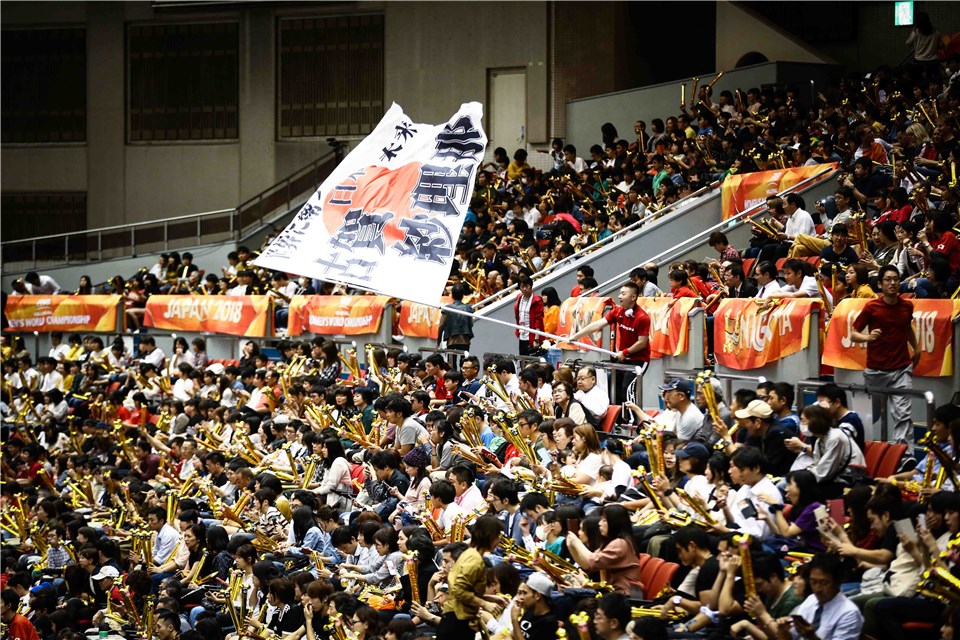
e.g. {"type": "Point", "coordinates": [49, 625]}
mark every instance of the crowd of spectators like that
{"type": "Point", "coordinates": [294, 496]}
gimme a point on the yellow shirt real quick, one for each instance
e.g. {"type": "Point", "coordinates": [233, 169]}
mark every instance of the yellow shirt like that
{"type": "Point", "coordinates": [467, 578]}
{"type": "Point", "coordinates": [551, 318]}
{"type": "Point", "coordinates": [864, 291]}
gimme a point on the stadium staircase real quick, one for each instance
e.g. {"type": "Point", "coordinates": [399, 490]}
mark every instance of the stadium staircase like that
{"type": "Point", "coordinates": [678, 234]}
{"type": "Point", "coordinates": [104, 252]}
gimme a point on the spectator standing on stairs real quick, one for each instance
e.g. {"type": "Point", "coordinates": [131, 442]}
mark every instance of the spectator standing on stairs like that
{"type": "Point", "coordinates": [889, 319]}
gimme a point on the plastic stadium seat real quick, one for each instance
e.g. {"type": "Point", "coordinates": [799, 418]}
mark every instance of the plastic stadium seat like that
{"type": "Point", "coordinates": [643, 558]}
{"type": "Point", "coordinates": [780, 263]}
{"type": "Point", "coordinates": [747, 264]}
{"type": "Point", "coordinates": [114, 386]}
{"type": "Point", "coordinates": [874, 454]}
{"type": "Point", "coordinates": [610, 419]}
{"type": "Point", "coordinates": [820, 229]}
{"type": "Point", "coordinates": [660, 580]}
{"type": "Point", "coordinates": [647, 574]}
{"type": "Point", "coordinates": [891, 460]}
{"type": "Point", "coordinates": [836, 510]}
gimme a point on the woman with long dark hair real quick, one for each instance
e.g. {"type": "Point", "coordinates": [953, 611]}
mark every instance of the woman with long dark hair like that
{"type": "Point", "coordinates": [616, 557]}
{"type": "Point", "coordinates": [337, 484]}
{"type": "Point", "coordinates": [250, 351]}
{"type": "Point", "coordinates": [329, 365]}
{"type": "Point", "coordinates": [551, 309]}
{"type": "Point", "coordinates": [305, 532]}
{"type": "Point", "coordinates": [802, 493]}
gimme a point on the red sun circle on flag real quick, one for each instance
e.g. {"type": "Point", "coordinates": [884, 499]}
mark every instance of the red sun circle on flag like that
{"type": "Point", "coordinates": [378, 190]}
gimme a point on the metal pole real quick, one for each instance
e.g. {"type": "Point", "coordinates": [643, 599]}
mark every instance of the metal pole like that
{"type": "Point", "coordinates": [99, 245]}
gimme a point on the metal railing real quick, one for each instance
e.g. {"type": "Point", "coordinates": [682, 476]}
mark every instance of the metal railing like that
{"type": "Point", "coordinates": [614, 283]}
{"type": "Point", "coordinates": [650, 217]}
{"type": "Point", "coordinates": [877, 395]}
{"type": "Point", "coordinates": [127, 240]}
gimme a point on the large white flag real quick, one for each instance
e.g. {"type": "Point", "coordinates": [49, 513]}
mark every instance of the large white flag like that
{"type": "Point", "coordinates": [388, 217]}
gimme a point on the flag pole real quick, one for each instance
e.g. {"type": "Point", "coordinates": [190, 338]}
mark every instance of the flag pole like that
{"type": "Point", "coordinates": [588, 347]}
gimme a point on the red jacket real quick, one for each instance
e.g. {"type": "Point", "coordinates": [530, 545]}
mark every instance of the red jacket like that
{"type": "Point", "coordinates": [536, 316]}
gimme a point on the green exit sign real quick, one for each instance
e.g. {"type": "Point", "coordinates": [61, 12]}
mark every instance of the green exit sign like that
{"type": "Point", "coordinates": [903, 14]}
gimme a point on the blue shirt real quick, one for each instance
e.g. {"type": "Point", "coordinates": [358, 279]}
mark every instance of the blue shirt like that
{"type": "Point", "coordinates": [791, 423]}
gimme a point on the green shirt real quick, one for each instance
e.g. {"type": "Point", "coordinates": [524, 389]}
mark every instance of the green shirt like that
{"type": "Point", "coordinates": [786, 604]}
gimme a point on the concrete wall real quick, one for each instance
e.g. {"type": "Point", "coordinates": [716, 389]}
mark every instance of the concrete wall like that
{"type": "Point", "coordinates": [622, 108]}
{"type": "Point", "coordinates": [431, 75]}
{"type": "Point", "coordinates": [436, 56]}
{"type": "Point", "coordinates": [740, 31]}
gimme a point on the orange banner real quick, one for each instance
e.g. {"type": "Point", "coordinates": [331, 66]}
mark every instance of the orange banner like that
{"type": "Point", "coordinates": [336, 315]}
{"type": "Point", "coordinates": [739, 192]}
{"type": "Point", "coordinates": [748, 335]}
{"type": "Point", "coordinates": [419, 320]}
{"type": "Point", "coordinates": [62, 313]}
{"type": "Point", "coordinates": [669, 324]}
{"type": "Point", "coordinates": [231, 315]}
{"type": "Point", "coordinates": [932, 324]}
{"type": "Point", "coordinates": [576, 313]}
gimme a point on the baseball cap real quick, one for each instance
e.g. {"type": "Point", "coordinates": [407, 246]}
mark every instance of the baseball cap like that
{"type": "Point", "coordinates": [541, 583]}
{"type": "Point", "coordinates": [693, 450]}
{"type": "Point", "coordinates": [216, 369]}
{"type": "Point", "coordinates": [678, 384]}
{"type": "Point", "coordinates": [106, 571]}
{"type": "Point", "coordinates": [756, 409]}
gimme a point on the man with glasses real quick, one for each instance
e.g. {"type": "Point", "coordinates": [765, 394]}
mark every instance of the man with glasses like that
{"type": "Point", "coordinates": [889, 363]}
{"type": "Point", "coordinates": [470, 368]}
{"type": "Point", "coordinates": [826, 613]}
{"type": "Point", "coordinates": [589, 394]}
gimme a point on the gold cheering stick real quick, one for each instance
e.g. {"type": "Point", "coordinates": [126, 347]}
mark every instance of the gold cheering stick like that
{"type": "Point", "coordinates": [697, 506]}
{"type": "Point", "coordinates": [703, 379]}
{"type": "Point", "coordinates": [309, 471]}
{"type": "Point", "coordinates": [746, 564]}
{"type": "Point", "coordinates": [693, 94]}
{"type": "Point", "coordinates": [715, 78]}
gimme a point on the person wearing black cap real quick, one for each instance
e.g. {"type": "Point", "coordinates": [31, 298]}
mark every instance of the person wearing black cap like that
{"type": "Point", "coordinates": [682, 416]}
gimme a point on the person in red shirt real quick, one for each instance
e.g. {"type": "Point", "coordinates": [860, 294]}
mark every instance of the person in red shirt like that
{"type": "Point", "coordinates": [632, 330]}
{"type": "Point", "coordinates": [528, 313]}
{"type": "Point", "coordinates": [679, 285]}
{"type": "Point", "coordinates": [886, 326]}
{"type": "Point", "coordinates": [18, 627]}
{"type": "Point", "coordinates": [937, 228]}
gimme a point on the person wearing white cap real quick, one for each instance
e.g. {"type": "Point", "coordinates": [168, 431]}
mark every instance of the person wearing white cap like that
{"type": "Point", "coordinates": [533, 616]}
{"type": "Point", "coordinates": [770, 438]}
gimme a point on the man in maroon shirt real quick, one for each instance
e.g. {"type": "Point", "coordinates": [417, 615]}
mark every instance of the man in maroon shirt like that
{"type": "Point", "coordinates": [632, 325]}
{"type": "Point", "coordinates": [889, 362]}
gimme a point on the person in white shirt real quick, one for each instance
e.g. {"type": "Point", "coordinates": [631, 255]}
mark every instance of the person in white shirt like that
{"type": "Point", "coordinates": [184, 387]}
{"type": "Point", "coordinates": [799, 284]}
{"type": "Point", "coordinates": [800, 220]}
{"type": "Point", "coordinates": [25, 375]}
{"type": "Point", "coordinates": [743, 507]}
{"type": "Point", "coordinates": [572, 161]}
{"type": "Point", "coordinates": [442, 496]}
{"type": "Point", "coordinates": [826, 613]}
{"type": "Point", "coordinates": [41, 285]}
{"type": "Point", "coordinates": [58, 350]}
{"type": "Point", "coordinates": [149, 353]}
{"type": "Point", "coordinates": [50, 378]}
{"type": "Point", "coordinates": [589, 394]}
{"type": "Point", "coordinates": [767, 279]}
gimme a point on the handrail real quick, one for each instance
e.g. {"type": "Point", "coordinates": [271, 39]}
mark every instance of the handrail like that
{"type": "Point", "coordinates": [650, 217]}
{"type": "Point", "coordinates": [928, 397]}
{"type": "Point", "coordinates": [235, 227]}
{"type": "Point", "coordinates": [613, 283]}
{"type": "Point", "coordinates": [129, 225]}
